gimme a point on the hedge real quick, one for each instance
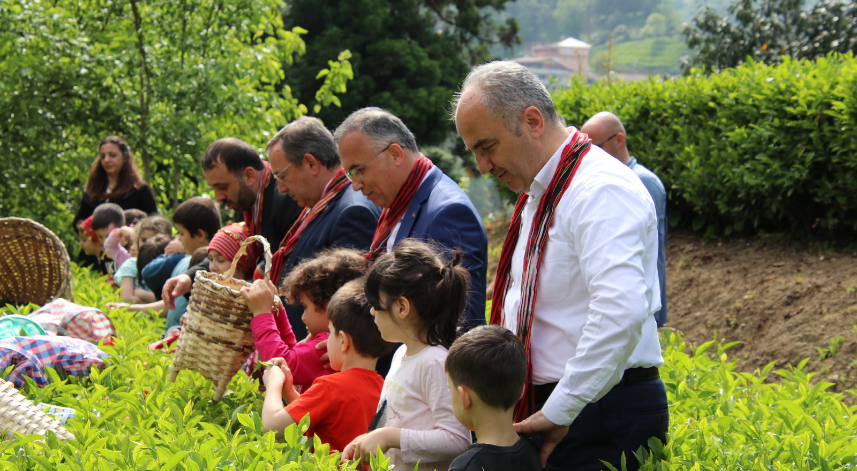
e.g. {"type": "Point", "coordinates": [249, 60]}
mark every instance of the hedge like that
{"type": "Point", "coordinates": [758, 147]}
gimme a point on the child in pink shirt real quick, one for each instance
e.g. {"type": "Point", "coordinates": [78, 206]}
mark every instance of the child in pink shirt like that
{"type": "Point", "coordinates": [310, 284]}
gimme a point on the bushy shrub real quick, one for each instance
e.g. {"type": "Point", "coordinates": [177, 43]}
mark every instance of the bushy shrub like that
{"type": "Point", "coordinates": [753, 148]}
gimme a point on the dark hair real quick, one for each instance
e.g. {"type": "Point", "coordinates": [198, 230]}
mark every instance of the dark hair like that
{"type": "Point", "coordinates": [198, 255]}
{"type": "Point", "coordinates": [133, 216]}
{"type": "Point", "coordinates": [107, 213]}
{"type": "Point", "coordinates": [438, 291]}
{"type": "Point", "coordinates": [320, 277]}
{"type": "Point", "coordinates": [159, 224]}
{"type": "Point", "coordinates": [349, 311]}
{"type": "Point", "coordinates": [306, 135]}
{"type": "Point", "coordinates": [234, 153]}
{"type": "Point", "coordinates": [491, 361]}
{"type": "Point", "coordinates": [129, 177]}
{"type": "Point", "coordinates": [198, 214]}
{"type": "Point", "coordinates": [150, 250]}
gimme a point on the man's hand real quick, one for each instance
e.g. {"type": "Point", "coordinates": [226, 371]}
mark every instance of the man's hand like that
{"type": "Point", "coordinates": [175, 246]}
{"type": "Point", "coordinates": [325, 358]}
{"type": "Point", "coordinates": [175, 287]}
{"type": "Point", "coordinates": [551, 433]}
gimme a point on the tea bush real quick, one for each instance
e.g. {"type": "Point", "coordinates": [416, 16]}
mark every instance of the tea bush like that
{"type": "Point", "coordinates": [130, 417]}
{"type": "Point", "coordinates": [756, 147]}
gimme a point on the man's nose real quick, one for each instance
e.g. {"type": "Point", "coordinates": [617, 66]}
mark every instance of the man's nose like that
{"type": "Point", "coordinates": [484, 165]}
{"type": "Point", "coordinates": [356, 185]}
{"type": "Point", "coordinates": [282, 188]}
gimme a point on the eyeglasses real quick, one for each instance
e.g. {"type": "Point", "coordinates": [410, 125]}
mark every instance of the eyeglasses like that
{"type": "Point", "coordinates": [356, 173]}
{"type": "Point", "coordinates": [277, 175]}
{"type": "Point", "coordinates": [607, 140]}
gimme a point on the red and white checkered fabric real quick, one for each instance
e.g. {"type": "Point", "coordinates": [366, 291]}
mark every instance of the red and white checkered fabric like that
{"type": "Point", "coordinates": [61, 317]}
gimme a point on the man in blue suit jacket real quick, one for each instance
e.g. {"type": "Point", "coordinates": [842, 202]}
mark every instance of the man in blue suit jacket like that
{"type": "Point", "coordinates": [379, 153]}
{"type": "Point", "coordinates": [306, 166]}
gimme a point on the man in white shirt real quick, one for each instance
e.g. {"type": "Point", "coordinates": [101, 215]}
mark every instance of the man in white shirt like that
{"type": "Point", "coordinates": [578, 279]}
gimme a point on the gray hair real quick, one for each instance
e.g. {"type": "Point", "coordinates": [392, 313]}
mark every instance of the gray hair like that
{"type": "Point", "coordinates": [509, 88]}
{"type": "Point", "coordinates": [306, 135]}
{"type": "Point", "coordinates": [381, 126]}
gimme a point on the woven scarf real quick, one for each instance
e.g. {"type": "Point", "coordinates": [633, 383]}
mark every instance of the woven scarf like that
{"type": "Point", "coordinates": [253, 218]}
{"type": "Point", "coordinates": [390, 216]}
{"type": "Point", "coordinates": [538, 236]}
{"type": "Point", "coordinates": [308, 215]}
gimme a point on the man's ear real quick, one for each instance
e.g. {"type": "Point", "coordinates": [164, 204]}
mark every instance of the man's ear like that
{"type": "Point", "coordinates": [466, 400]}
{"type": "Point", "coordinates": [312, 164]}
{"type": "Point", "coordinates": [398, 153]}
{"type": "Point", "coordinates": [347, 341]}
{"type": "Point", "coordinates": [532, 122]}
{"type": "Point", "coordinates": [249, 175]}
{"type": "Point", "coordinates": [620, 140]}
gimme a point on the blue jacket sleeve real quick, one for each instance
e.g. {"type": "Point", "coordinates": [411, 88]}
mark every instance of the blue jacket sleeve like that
{"type": "Point", "coordinates": [457, 226]}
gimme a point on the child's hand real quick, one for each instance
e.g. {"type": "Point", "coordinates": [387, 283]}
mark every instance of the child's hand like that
{"type": "Point", "coordinates": [365, 446]}
{"type": "Point", "coordinates": [112, 306]}
{"type": "Point", "coordinates": [348, 452]}
{"type": "Point", "coordinates": [260, 299]}
{"type": "Point", "coordinates": [325, 357]}
{"type": "Point", "coordinates": [175, 246]}
{"type": "Point", "coordinates": [275, 376]}
{"type": "Point", "coordinates": [126, 235]}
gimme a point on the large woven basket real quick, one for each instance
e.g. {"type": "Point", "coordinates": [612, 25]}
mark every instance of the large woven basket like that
{"type": "Point", "coordinates": [216, 336]}
{"type": "Point", "coordinates": [18, 414]}
{"type": "Point", "coordinates": [34, 265]}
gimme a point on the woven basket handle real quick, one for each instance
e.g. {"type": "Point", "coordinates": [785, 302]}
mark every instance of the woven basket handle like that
{"type": "Point", "coordinates": [243, 248]}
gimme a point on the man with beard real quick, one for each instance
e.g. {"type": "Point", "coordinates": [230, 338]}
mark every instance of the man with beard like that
{"type": "Point", "coordinates": [242, 182]}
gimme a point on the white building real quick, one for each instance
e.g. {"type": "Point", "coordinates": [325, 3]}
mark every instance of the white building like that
{"type": "Point", "coordinates": [558, 60]}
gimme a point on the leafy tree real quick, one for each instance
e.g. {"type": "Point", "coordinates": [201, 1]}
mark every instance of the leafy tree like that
{"type": "Point", "coordinates": [409, 56]}
{"type": "Point", "coordinates": [170, 77]}
{"type": "Point", "coordinates": [767, 30]}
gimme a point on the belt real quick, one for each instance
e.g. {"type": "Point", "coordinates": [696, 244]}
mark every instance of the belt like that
{"type": "Point", "coordinates": [630, 376]}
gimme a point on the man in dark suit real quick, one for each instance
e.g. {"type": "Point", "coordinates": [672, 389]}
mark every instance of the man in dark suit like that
{"type": "Point", "coordinates": [243, 182]}
{"type": "Point", "coordinates": [306, 166]}
{"type": "Point", "coordinates": [380, 156]}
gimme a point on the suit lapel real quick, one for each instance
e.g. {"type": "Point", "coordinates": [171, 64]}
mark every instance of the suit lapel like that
{"type": "Point", "coordinates": [423, 193]}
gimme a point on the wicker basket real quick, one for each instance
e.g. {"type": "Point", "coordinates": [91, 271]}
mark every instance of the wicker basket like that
{"type": "Point", "coordinates": [216, 336]}
{"type": "Point", "coordinates": [18, 414]}
{"type": "Point", "coordinates": [33, 262]}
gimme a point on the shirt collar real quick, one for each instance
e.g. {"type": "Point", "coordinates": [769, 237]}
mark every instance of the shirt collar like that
{"type": "Point", "coordinates": [543, 178]}
{"type": "Point", "coordinates": [632, 162]}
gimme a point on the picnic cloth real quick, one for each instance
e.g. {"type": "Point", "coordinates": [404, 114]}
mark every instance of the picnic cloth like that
{"type": "Point", "coordinates": [29, 356]}
{"type": "Point", "coordinates": [61, 317]}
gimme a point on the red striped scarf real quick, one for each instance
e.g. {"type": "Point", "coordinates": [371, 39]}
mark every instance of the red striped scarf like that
{"type": "Point", "coordinates": [253, 218]}
{"type": "Point", "coordinates": [571, 156]}
{"type": "Point", "coordinates": [390, 216]}
{"type": "Point", "coordinates": [308, 215]}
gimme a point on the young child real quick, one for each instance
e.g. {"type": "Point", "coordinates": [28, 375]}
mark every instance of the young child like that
{"type": "Point", "coordinates": [486, 371]}
{"type": "Point", "coordinates": [416, 300]}
{"type": "Point", "coordinates": [133, 216]}
{"type": "Point", "coordinates": [222, 249]}
{"type": "Point", "coordinates": [311, 284]}
{"type": "Point", "coordinates": [341, 405]}
{"type": "Point", "coordinates": [196, 221]}
{"type": "Point", "coordinates": [106, 217]}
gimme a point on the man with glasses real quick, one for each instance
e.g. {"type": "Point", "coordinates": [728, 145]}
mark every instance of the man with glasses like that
{"type": "Point", "coordinates": [380, 156]}
{"type": "Point", "coordinates": [306, 166]}
{"type": "Point", "coordinates": [607, 132]}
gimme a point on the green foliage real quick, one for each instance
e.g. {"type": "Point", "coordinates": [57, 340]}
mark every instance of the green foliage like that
{"type": "Point", "coordinates": [757, 147]}
{"type": "Point", "coordinates": [170, 77]}
{"type": "Point", "coordinates": [767, 30]}
{"type": "Point", "coordinates": [408, 56]}
{"type": "Point", "coordinates": [833, 346]}
{"type": "Point", "coordinates": [661, 55]}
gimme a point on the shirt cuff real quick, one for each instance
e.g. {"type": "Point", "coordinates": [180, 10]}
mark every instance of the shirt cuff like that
{"type": "Point", "coordinates": [561, 408]}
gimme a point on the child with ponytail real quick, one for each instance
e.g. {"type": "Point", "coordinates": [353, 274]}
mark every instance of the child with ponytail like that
{"type": "Point", "coordinates": [417, 299]}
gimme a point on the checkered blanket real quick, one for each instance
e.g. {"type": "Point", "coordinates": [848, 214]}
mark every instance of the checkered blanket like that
{"type": "Point", "coordinates": [61, 317]}
{"type": "Point", "coordinates": [29, 356]}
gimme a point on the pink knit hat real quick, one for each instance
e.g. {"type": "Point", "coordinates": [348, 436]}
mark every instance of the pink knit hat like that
{"type": "Point", "coordinates": [228, 240]}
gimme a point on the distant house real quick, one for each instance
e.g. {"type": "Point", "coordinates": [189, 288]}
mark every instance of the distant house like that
{"type": "Point", "coordinates": [559, 60]}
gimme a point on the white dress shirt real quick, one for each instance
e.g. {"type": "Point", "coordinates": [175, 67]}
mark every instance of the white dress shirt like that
{"type": "Point", "coordinates": [597, 285]}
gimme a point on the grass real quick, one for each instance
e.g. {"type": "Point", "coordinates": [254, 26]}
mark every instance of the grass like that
{"type": "Point", "coordinates": [654, 55]}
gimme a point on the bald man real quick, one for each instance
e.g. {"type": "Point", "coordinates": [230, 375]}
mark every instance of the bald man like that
{"type": "Point", "coordinates": [607, 132]}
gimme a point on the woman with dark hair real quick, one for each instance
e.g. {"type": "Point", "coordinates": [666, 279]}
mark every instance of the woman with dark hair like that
{"type": "Point", "coordinates": [114, 178]}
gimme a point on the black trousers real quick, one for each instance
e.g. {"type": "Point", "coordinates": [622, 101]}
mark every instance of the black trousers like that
{"type": "Point", "coordinates": [621, 421]}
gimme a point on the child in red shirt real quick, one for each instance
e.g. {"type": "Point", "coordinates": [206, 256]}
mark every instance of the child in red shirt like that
{"type": "Point", "coordinates": [311, 284]}
{"type": "Point", "coordinates": [341, 405]}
